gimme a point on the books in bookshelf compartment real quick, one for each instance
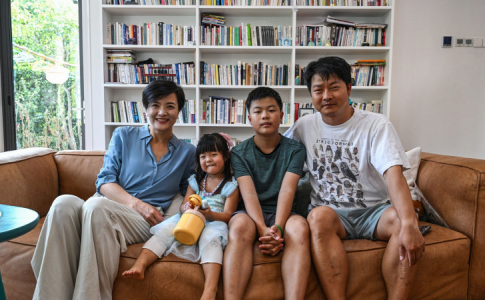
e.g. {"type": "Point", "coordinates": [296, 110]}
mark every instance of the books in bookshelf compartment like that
{"type": "Point", "coordinates": [223, 110]}
{"type": "Point", "coordinates": [374, 106]}
{"type": "Point", "coordinates": [149, 34]}
{"type": "Point", "coordinates": [247, 2]}
{"type": "Point", "coordinates": [299, 75]}
{"type": "Point", "coordinates": [245, 35]}
{"type": "Point", "coordinates": [342, 33]}
{"type": "Point", "coordinates": [243, 73]}
{"type": "Point", "coordinates": [368, 72]}
{"type": "Point", "coordinates": [151, 2]}
{"type": "Point", "coordinates": [301, 106]}
{"type": "Point", "coordinates": [181, 73]}
{"type": "Point", "coordinates": [187, 114]}
{"type": "Point", "coordinates": [127, 112]}
{"type": "Point", "coordinates": [343, 2]}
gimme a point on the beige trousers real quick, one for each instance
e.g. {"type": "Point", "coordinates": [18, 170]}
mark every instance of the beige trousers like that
{"type": "Point", "coordinates": [77, 255]}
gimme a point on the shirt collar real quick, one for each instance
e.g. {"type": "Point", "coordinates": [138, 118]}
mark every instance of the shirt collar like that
{"type": "Point", "coordinates": [145, 133]}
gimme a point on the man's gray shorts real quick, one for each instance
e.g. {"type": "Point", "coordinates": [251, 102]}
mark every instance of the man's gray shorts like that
{"type": "Point", "coordinates": [361, 223]}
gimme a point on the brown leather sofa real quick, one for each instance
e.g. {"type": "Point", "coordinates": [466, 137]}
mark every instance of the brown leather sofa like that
{"type": "Point", "coordinates": [453, 266]}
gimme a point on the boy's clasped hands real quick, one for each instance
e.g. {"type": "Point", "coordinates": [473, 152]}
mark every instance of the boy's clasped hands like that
{"type": "Point", "coordinates": [271, 239]}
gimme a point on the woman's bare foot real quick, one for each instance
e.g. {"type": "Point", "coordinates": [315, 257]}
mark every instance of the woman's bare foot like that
{"type": "Point", "coordinates": [136, 272]}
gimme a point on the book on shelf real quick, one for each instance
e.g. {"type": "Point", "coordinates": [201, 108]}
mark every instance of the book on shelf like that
{"type": "Point", "coordinates": [374, 106]}
{"type": "Point", "coordinates": [151, 2]}
{"type": "Point", "coordinates": [242, 73]}
{"type": "Point", "coordinates": [302, 109]}
{"type": "Point", "coordinates": [343, 2]}
{"type": "Point", "coordinates": [247, 2]}
{"type": "Point", "coordinates": [368, 72]}
{"type": "Point", "coordinates": [181, 73]}
{"type": "Point", "coordinates": [150, 34]}
{"type": "Point", "coordinates": [342, 33]}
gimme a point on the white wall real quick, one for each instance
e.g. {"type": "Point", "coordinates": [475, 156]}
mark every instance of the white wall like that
{"type": "Point", "coordinates": [438, 94]}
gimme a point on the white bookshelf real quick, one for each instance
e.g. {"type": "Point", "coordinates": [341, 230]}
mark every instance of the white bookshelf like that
{"type": "Point", "coordinates": [293, 16]}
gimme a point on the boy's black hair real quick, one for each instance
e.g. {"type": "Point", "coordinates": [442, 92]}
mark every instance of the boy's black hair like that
{"type": "Point", "coordinates": [327, 67]}
{"type": "Point", "coordinates": [160, 89]}
{"type": "Point", "coordinates": [211, 142]}
{"type": "Point", "coordinates": [263, 92]}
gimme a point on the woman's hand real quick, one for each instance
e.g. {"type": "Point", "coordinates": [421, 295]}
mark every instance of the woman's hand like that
{"type": "Point", "coordinates": [152, 215]}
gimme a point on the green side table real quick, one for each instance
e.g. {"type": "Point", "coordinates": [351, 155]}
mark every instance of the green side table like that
{"type": "Point", "coordinates": [14, 222]}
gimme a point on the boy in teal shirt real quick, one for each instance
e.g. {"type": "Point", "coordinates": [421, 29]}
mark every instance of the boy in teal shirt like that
{"type": "Point", "coordinates": [267, 168]}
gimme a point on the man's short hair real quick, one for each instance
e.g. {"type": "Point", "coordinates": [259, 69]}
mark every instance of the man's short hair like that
{"type": "Point", "coordinates": [160, 89]}
{"type": "Point", "coordinates": [263, 92]}
{"type": "Point", "coordinates": [327, 67]}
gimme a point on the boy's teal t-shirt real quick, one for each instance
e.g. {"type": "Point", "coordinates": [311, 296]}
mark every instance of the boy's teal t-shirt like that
{"type": "Point", "coordinates": [267, 170]}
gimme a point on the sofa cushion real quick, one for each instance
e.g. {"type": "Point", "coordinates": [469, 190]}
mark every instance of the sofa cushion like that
{"type": "Point", "coordinates": [31, 178]}
{"type": "Point", "coordinates": [78, 171]}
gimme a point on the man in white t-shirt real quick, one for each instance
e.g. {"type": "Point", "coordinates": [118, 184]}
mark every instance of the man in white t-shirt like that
{"type": "Point", "coordinates": [356, 162]}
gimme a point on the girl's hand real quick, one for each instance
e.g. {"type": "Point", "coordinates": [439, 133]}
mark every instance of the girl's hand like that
{"type": "Point", "coordinates": [152, 215]}
{"type": "Point", "coordinates": [207, 213]}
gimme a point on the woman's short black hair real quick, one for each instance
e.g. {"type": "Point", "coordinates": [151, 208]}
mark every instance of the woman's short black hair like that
{"type": "Point", "coordinates": [263, 92]}
{"type": "Point", "coordinates": [212, 142]}
{"type": "Point", "coordinates": [327, 67]}
{"type": "Point", "coordinates": [160, 89]}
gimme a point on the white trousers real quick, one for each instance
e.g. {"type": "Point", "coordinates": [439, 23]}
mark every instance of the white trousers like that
{"type": "Point", "coordinates": [77, 255]}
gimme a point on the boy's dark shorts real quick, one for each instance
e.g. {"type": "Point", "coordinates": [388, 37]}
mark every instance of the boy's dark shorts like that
{"type": "Point", "coordinates": [269, 218]}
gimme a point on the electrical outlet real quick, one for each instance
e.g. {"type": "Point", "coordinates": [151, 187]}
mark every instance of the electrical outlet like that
{"type": "Point", "coordinates": [478, 42]}
{"type": "Point", "coordinates": [460, 42]}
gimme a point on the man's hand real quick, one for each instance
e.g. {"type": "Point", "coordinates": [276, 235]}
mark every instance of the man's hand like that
{"type": "Point", "coordinates": [271, 242]}
{"type": "Point", "coordinates": [152, 215]}
{"type": "Point", "coordinates": [411, 244]}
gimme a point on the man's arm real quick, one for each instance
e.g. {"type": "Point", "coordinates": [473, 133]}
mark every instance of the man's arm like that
{"type": "Point", "coordinates": [411, 241]}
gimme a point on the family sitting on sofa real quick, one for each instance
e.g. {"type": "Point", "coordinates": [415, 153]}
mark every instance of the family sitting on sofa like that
{"type": "Point", "coordinates": [355, 161]}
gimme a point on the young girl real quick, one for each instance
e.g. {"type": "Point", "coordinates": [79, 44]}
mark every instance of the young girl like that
{"type": "Point", "coordinates": [214, 182]}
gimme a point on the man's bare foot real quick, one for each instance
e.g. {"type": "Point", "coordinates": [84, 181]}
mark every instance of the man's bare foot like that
{"type": "Point", "coordinates": [209, 294]}
{"type": "Point", "coordinates": [135, 272]}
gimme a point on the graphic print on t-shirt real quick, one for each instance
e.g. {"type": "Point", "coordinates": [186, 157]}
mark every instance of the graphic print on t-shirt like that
{"type": "Point", "coordinates": [336, 170]}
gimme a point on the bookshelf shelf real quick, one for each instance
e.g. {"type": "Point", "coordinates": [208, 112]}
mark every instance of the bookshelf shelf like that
{"type": "Point", "coordinates": [191, 15]}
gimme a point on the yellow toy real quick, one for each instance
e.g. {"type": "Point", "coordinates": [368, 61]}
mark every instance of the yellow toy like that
{"type": "Point", "coordinates": [191, 223]}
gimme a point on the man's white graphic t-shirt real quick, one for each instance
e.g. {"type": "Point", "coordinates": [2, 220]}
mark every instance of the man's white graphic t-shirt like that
{"type": "Point", "coordinates": [347, 161]}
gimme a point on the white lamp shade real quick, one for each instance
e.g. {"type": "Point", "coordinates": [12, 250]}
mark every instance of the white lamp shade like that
{"type": "Point", "coordinates": [57, 74]}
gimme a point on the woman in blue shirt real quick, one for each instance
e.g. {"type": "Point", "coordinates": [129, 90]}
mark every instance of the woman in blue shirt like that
{"type": "Point", "coordinates": [142, 181]}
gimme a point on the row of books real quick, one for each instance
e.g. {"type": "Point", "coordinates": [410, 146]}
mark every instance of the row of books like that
{"type": "Point", "coordinates": [247, 2]}
{"type": "Point", "coordinates": [151, 2]}
{"type": "Point", "coordinates": [368, 72]}
{"type": "Point", "coordinates": [255, 2]}
{"type": "Point", "coordinates": [150, 34]}
{"type": "Point", "coordinates": [339, 35]}
{"type": "Point", "coordinates": [343, 2]}
{"type": "Point", "coordinates": [127, 112]}
{"type": "Point", "coordinates": [374, 106]}
{"type": "Point", "coordinates": [181, 73]}
{"type": "Point", "coordinates": [242, 73]}
{"type": "Point", "coordinates": [245, 35]}
{"type": "Point", "coordinates": [133, 112]}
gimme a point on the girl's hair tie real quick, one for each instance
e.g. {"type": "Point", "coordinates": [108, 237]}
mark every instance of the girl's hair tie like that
{"type": "Point", "coordinates": [227, 137]}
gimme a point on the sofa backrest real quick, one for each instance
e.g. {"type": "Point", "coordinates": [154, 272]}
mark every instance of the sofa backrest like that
{"type": "Point", "coordinates": [455, 187]}
{"type": "Point", "coordinates": [78, 171]}
{"type": "Point", "coordinates": [28, 178]}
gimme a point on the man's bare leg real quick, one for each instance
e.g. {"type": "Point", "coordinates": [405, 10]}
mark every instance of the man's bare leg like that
{"type": "Point", "coordinates": [238, 256]}
{"type": "Point", "coordinates": [137, 271]}
{"type": "Point", "coordinates": [397, 273]}
{"type": "Point", "coordinates": [212, 271]}
{"type": "Point", "coordinates": [328, 253]}
{"type": "Point", "coordinates": [296, 261]}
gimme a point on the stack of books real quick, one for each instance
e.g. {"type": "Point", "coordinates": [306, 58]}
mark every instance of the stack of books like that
{"type": "Point", "coordinates": [210, 19]}
{"type": "Point", "coordinates": [120, 57]}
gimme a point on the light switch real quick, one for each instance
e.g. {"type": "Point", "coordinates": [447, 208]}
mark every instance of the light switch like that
{"type": "Point", "coordinates": [478, 42]}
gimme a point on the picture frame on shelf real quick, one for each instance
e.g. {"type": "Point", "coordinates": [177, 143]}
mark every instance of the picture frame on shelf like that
{"type": "Point", "coordinates": [305, 111]}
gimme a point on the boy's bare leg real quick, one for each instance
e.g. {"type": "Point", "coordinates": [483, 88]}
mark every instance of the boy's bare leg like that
{"type": "Point", "coordinates": [397, 273]}
{"type": "Point", "coordinates": [238, 256]}
{"type": "Point", "coordinates": [296, 261]}
{"type": "Point", "coordinates": [137, 271]}
{"type": "Point", "coordinates": [212, 271]}
{"type": "Point", "coordinates": [328, 253]}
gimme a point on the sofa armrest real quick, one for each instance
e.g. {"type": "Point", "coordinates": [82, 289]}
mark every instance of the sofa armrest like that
{"type": "Point", "coordinates": [455, 187]}
{"type": "Point", "coordinates": [28, 178]}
